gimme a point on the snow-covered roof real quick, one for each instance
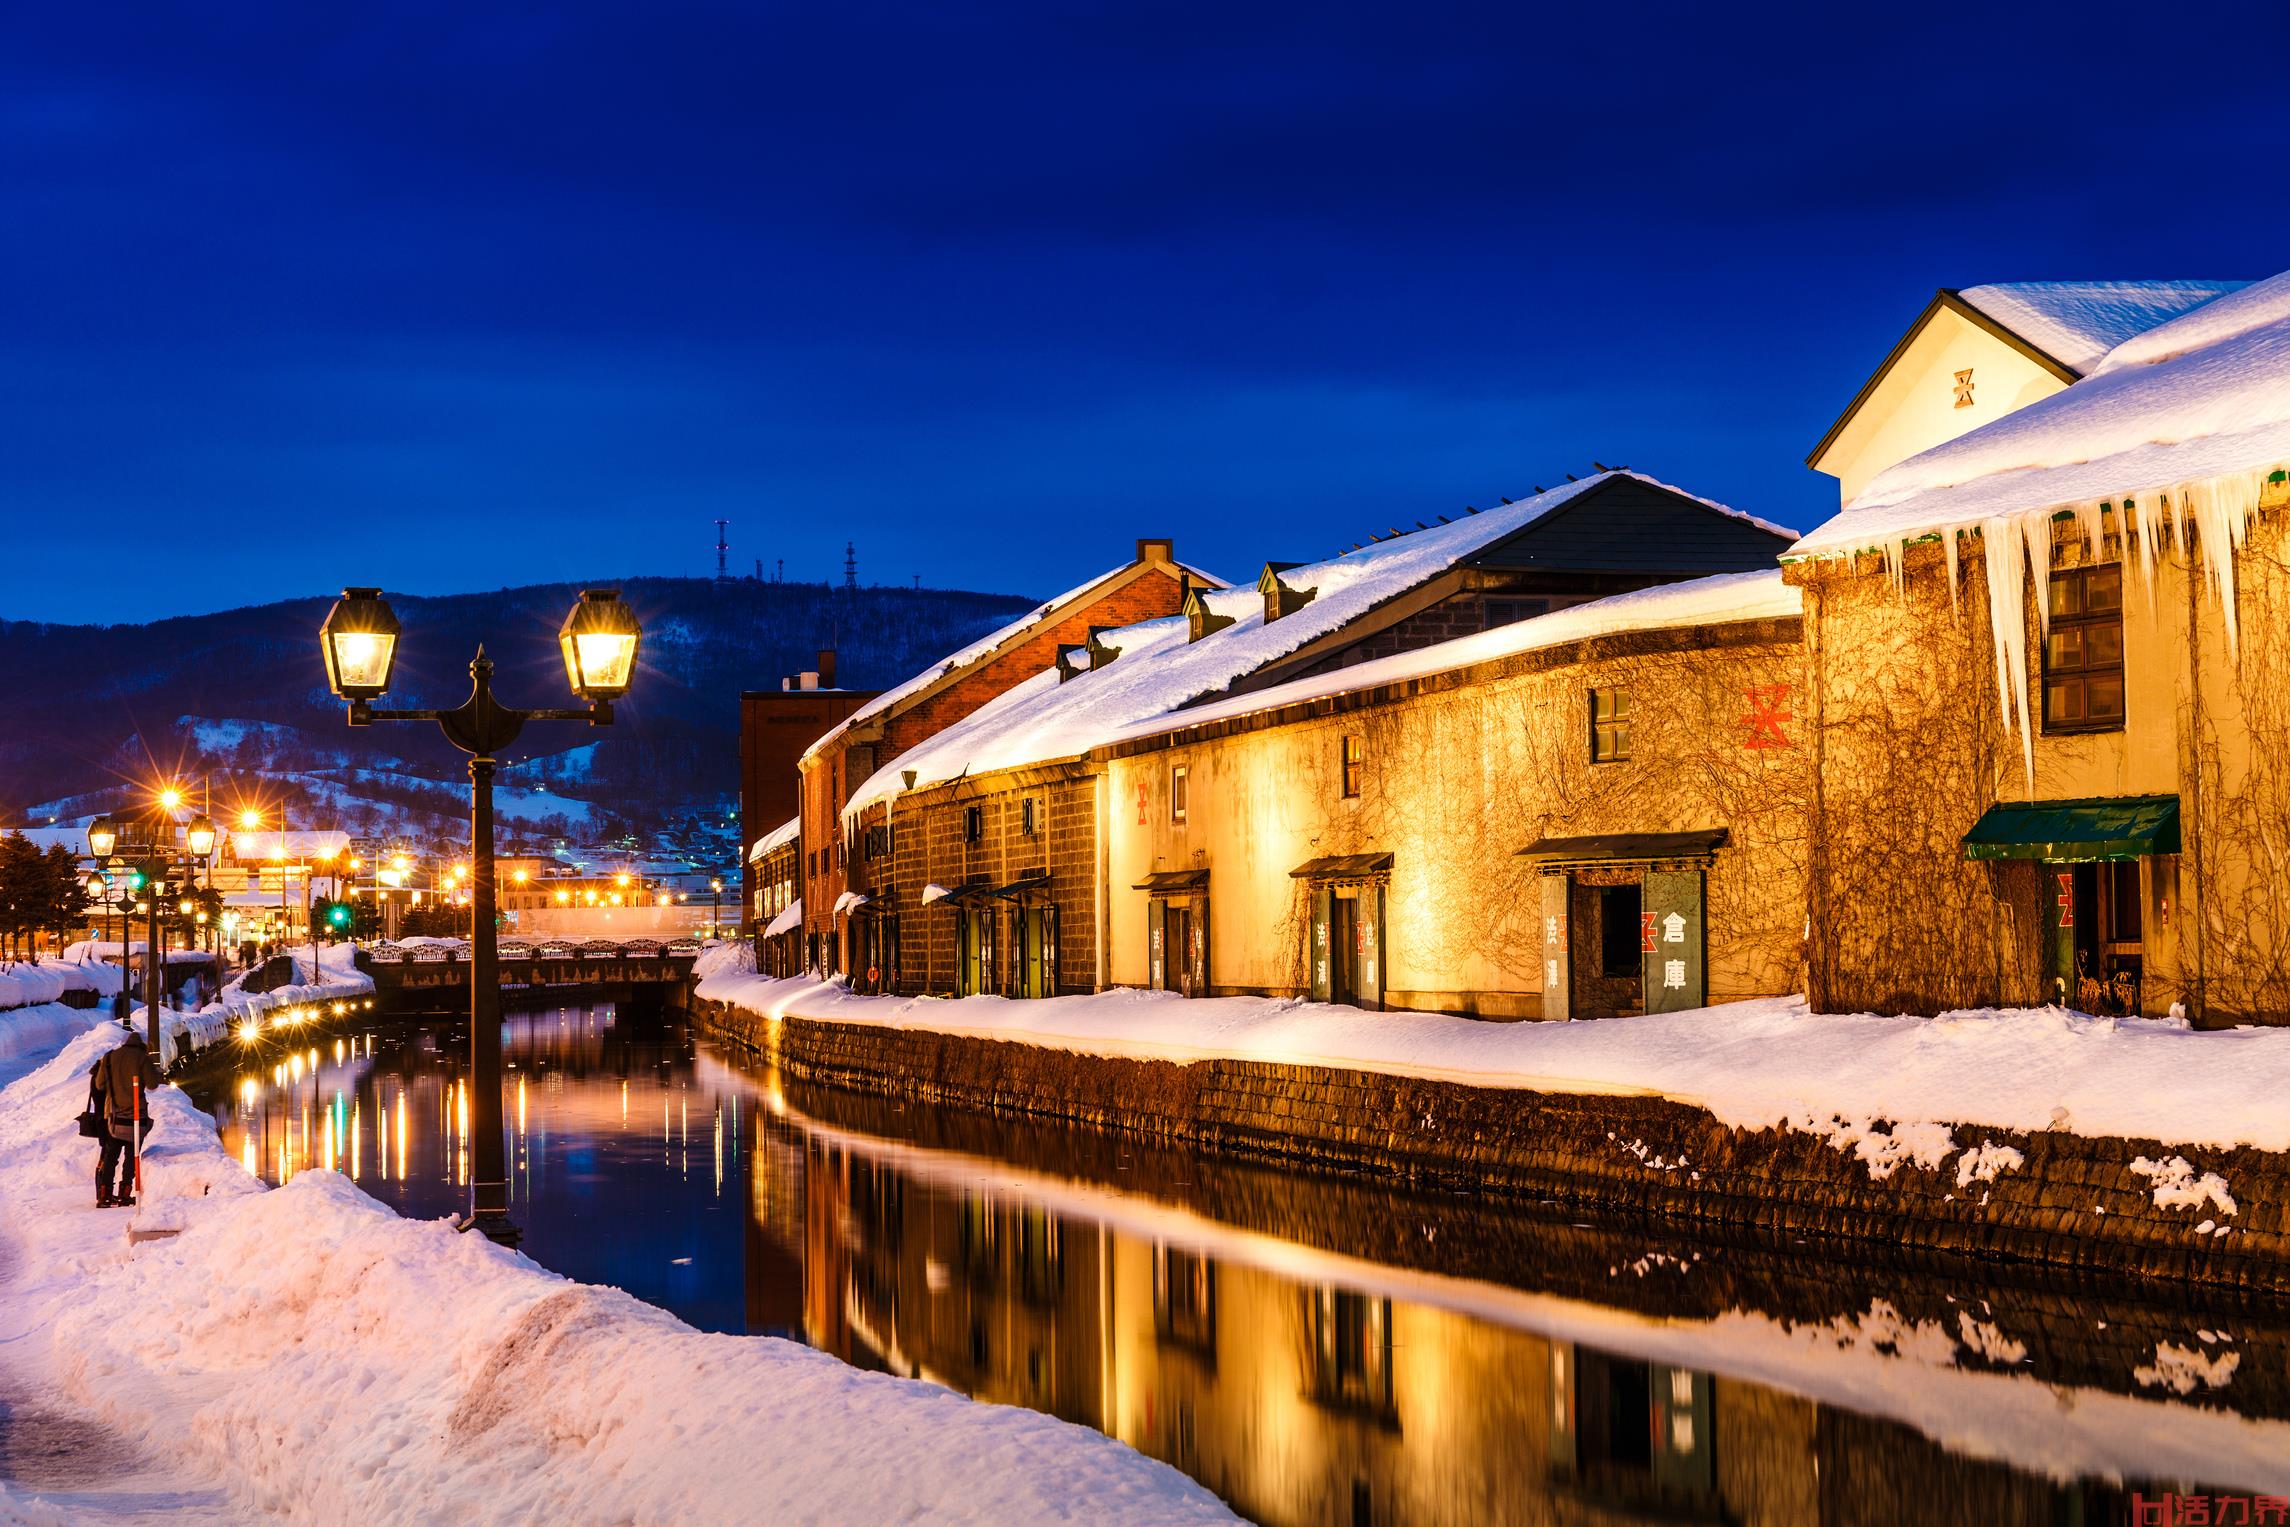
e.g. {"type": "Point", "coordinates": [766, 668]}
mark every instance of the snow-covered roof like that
{"type": "Point", "coordinates": [301, 847]}
{"type": "Point", "coordinates": [2077, 322]}
{"type": "Point", "coordinates": [1722, 599]}
{"type": "Point", "coordinates": [989, 644]}
{"type": "Point", "coordinates": [1159, 673]}
{"type": "Point", "coordinates": [2200, 399]}
{"type": "Point", "coordinates": [784, 833]}
{"type": "Point", "coordinates": [45, 838]}
{"type": "Point", "coordinates": [789, 919]}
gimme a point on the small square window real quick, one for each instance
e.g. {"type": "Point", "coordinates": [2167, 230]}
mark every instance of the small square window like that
{"type": "Point", "coordinates": [1026, 818]}
{"type": "Point", "coordinates": [1609, 725]}
{"type": "Point", "coordinates": [1509, 612]}
{"type": "Point", "coordinates": [1177, 793]}
{"type": "Point", "coordinates": [973, 823]}
{"type": "Point", "coordinates": [1353, 761]}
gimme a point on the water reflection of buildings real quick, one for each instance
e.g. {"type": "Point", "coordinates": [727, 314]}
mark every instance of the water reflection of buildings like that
{"type": "Point", "coordinates": [1303, 1401]}
{"type": "Point", "coordinates": [1281, 1353]}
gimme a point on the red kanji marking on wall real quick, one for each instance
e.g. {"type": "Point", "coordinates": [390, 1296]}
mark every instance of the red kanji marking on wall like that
{"type": "Point", "coordinates": [1766, 717]}
{"type": "Point", "coordinates": [1646, 933]}
{"type": "Point", "coordinates": [1144, 799]}
{"type": "Point", "coordinates": [2067, 898]}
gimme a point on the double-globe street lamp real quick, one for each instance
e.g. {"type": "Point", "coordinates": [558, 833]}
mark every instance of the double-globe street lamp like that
{"type": "Point", "coordinates": [158, 863]}
{"type": "Point", "coordinates": [598, 639]}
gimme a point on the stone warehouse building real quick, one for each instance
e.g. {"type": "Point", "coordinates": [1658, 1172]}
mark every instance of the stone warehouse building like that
{"type": "Point", "coordinates": [843, 901]}
{"type": "Point", "coordinates": [1595, 812]}
{"type": "Point", "coordinates": [1006, 847]}
{"type": "Point", "coordinates": [2045, 672]}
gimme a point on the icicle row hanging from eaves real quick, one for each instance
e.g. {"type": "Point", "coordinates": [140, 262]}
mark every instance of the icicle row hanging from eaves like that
{"type": "Point", "coordinates": [2211, 513]}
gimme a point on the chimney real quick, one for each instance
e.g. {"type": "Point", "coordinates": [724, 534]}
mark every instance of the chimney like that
{"type": "Point", "coordinates": [826, 668]}
{"type": "Point", "coordinates": [1158, 550]}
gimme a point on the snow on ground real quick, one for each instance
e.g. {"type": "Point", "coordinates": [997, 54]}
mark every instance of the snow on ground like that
{"type": "Point", "coordinates": [43, 1026]}
{"type": "Point", "coordinates": [1756, 1064]}
{"type": "Point", "coordinates": [23, 983]}
{"type": "Point", "coordinates": [1943, 1382]}
{"type": "Point", "coordinates": [306, 1352]}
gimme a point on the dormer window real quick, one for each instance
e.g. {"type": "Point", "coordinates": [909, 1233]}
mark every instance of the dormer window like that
{"type": "Point", "coordinates": [1279, 598]}
{"type": "Point", "coordinates": [1200, 620]}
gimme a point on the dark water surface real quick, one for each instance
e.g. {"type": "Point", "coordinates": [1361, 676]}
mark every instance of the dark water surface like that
{"type": "Point", "coordinates": [1315, 1350]}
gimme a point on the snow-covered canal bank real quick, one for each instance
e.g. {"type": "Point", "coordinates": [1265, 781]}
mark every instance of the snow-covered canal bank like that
{"type": "Point", "coordinates": [305, 1351]}
{"type": "Point", "coordinates": [1303, 1346]}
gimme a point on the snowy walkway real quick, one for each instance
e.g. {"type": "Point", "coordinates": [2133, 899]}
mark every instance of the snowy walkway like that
{"type": "Point", "coordinates": [305, 1352]}
{"type": "Point", "coordinates": [1757, 1064]}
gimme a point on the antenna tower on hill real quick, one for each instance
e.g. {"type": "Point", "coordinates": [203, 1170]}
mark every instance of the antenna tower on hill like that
{"type": "Point", "coordinates": [723, 547]}
{"type": "Point", "coordinates": [850, 567]}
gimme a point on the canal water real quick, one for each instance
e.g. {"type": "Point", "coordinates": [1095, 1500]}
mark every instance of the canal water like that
{"type": "Point", "coordinates": [1315, 1350]}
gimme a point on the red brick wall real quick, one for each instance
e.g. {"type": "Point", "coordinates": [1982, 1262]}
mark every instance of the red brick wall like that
{"type": "Point", "coordinates": [1150, 595]}
{"type": "Point", "coordinates": [1145, 598]}
{"type": "Point", "coordinates": [775, 726]}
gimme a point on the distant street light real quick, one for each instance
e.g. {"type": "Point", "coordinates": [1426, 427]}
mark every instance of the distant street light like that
{"type": "Point", "coordinates": [141, 888]}
{"type": "Point", "coordinates": [99, 888]}
{"type": "Point", "coordinates": [599, 640]}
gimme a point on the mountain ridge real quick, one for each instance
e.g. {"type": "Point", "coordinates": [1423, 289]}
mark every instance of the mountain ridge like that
{"type": "Point", "coordinates": [95, 707]}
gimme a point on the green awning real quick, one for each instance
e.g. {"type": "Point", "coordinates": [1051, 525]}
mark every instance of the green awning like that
{"type": "Point", "coordinates": [2123, 827]}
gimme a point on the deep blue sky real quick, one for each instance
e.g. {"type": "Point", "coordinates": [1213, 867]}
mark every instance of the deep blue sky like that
{"type": "Point", "coordinates": [458, 296]}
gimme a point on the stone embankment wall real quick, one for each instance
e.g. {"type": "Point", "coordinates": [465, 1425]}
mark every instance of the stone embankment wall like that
{"type": "Point", "coordinates": [2124, 1206]}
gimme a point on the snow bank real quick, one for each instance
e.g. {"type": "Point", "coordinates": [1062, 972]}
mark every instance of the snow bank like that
{"type": "Point", "coordinates": [322, 1357]}
{"type": "Point", "coordinates": [25, 984]}
{"type": "Point", "coordinates": [1759, 1064]}
{"type": "Point", "coordinates": [29, 1030]}
{"type": "Point", "coordinates": [333, 976]}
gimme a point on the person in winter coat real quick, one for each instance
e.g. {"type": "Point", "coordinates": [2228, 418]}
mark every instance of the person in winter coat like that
{"type": "Point", "coordinates": [116, 1090]}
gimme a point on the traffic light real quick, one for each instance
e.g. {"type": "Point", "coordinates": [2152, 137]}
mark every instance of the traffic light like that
{"type": "Point", "coordinates": [137, 880]}
{"type": "Point", "coordinates": [338, 916]}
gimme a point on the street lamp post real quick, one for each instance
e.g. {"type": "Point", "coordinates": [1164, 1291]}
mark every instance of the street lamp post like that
{"type": "Point", "coordinates": [716, 911]}
{"type": "Point", "coordinates": [598, 640]}
{"type": "Point", "coordinates": [198, 843]}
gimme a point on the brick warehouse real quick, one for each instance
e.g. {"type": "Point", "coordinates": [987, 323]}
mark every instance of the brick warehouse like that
{"type": "Point", "coordinates": [775, 726]}
{"type": "Point", "coordinates": [839, 879]}
{"type": "Point", "coordinates": [984, 852]}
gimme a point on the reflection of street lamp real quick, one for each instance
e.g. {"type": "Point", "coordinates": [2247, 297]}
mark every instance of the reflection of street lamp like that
{"type": "Point", "coordinates": [598, 639]}
{"type": "Point", "coordinates": [716, 912]}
